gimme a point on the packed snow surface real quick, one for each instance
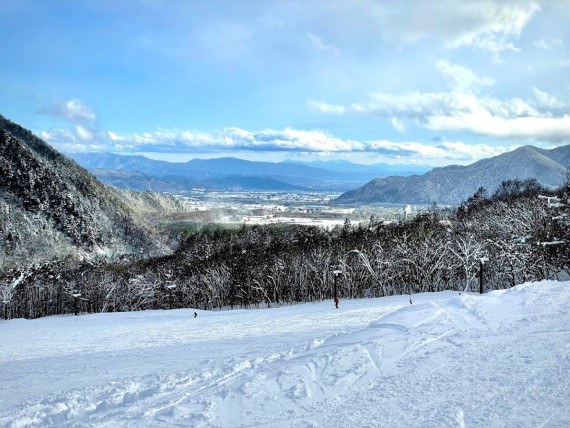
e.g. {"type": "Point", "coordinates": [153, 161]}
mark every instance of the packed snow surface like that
{"type": "Point", "coordinates": [501, 359]}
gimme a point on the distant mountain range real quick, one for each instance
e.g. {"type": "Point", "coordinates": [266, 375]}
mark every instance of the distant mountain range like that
{"type": "Point", "coordinates": [232, 174]}
{"type": "Point", "coordinates": [453, 184]}
{"type": "Point", "coordinates": [389, 183]}
{"type": "Point", "coordinates": [377, 170]}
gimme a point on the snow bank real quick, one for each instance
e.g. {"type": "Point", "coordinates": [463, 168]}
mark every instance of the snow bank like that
{"type": "Point", "coordinates": [499, 359]}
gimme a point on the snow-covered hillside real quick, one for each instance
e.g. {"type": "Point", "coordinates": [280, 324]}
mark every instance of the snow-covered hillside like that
{"type": "Point", "coordinates": [496, 360]}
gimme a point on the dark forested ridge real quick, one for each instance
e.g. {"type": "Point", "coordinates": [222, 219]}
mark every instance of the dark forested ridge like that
{"type": "Point", "coordinates": [453, 184]}
{"type": "Point", "coordinates": [521, 233]}
{"type": "Point", "coordinates": [51, 207]}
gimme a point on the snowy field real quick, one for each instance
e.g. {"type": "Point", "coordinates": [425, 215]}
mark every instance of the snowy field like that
{"type": "Point", "coordinates": [497, 360]}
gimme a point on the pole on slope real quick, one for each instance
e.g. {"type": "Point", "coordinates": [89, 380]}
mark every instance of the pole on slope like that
{"type": "Point", "coordinates": [480, 277]}
{"type": "Point", "coordinates": [336, 273]}
{"type": "Point", "coordinates": [76, 295]}
{"type": "Point", "coordinates": [481, 265]}
{"type": "Point", "coordinates": [335, 287]}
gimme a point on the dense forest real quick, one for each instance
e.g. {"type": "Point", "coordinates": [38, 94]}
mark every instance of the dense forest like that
{"type": "Point", "coordinates": [49, 205]}
{"type": "Point", "coordinates": [519, 233]}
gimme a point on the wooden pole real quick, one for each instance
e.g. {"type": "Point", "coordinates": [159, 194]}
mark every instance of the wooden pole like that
{"type": "Point", "coordinates": [481, 276]}
{"type": "Point", "coordinates": [335, 288]}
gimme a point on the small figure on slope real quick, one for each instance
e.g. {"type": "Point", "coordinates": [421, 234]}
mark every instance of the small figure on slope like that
{"type": "Point", "coordinates": [195, 314]}
{"type": "Point", "coordinates": [336, 302]}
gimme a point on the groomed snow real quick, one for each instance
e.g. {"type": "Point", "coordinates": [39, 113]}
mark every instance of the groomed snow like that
{"type": "Point", "coordinates": [501, 359]}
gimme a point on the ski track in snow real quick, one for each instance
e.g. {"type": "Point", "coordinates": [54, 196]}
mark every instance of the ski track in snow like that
{"type": "Point", "coordinates": [497, 360]}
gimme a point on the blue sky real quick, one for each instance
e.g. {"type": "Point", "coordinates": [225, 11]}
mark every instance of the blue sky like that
{"type": "Point", "coordinates": [410, 82]}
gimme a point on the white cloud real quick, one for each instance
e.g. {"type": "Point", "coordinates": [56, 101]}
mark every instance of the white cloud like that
{"type": "Point", "coordinates": [326, 108]}
{"type": "Point", "coordinates": [281, 31]}
{"type": "Point", "coordinates": [229, 138]}
{"type": "Point", "coordinates": [74, 111]}
{"type": "Point", "coordinates": [288, 139]}
{"type": "Point", "coordinates": [58, 135]}
{"type": "Point", "coordinates": [496, 46]}
{"type": "Point", "coordinates": [546, 100]}
{"type": "Point", "coordinates": [547, 44]}
{"type": "Point", "coordinates": [291, 141]}
{"type": "Point", "coordinates": [483, 24]}
{"type": "Point", "coordinates": [145, 138]}
{"type": "Point", "coordinates": [465, 109]}
{"type": "Point", "coordinates": [411, 105]}
{"type": "Point", "coordinates": [114, 137]}
{"type": "Point", "coordinates": [445, 150]}
{"type": "Point", "coordinates": [460, 150]}
{"type": "Point", "coordinates": [83, 133]}
{"type": "Point", "coordinates": [398, 124]}
{"type": "Point", "coordinates": [528, 128]}
{"type": "Point", "coordinates": [462, 78]}
{"type": "Point", "coordinates": [321, 45]}
{"type": "Point", "coordinates": [513, 118]}
{"type": "Point", "coordinates": [565, 63]}
{"type": "Point", "coordinates": [63, 139]}
{"type": "Point", "coordinates": [124, 147]}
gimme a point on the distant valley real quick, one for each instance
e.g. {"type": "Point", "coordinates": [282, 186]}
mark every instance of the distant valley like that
{"type": "Point", "coordinates": [362, 184]}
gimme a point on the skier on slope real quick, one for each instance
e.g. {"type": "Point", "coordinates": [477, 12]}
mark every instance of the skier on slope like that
{"type": "Point", "coordinates": [336, 302]}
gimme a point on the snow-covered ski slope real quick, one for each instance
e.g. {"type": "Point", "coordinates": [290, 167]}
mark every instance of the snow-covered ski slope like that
{"type": "Point", "coordinates": [500, 359]}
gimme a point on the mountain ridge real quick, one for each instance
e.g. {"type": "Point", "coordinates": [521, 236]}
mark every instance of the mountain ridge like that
{"type": "Point", "coordinates": [454, 183]}
{"type": "Point", "coordinates": [216, 171]}
{"type": "Point", "coordinates": [381, 169]}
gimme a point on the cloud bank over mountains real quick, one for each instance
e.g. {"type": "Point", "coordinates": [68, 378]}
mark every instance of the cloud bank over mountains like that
{"type": "Point", "coordinates": [286, 140]}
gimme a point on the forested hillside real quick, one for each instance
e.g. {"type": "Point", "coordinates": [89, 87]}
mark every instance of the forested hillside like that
{"type": "Point", "coordinates": [52, 208]}
{"type": "Point", "coordinates": [520, 233]}
{"type": "Point", "coordinates": [455, 183]}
